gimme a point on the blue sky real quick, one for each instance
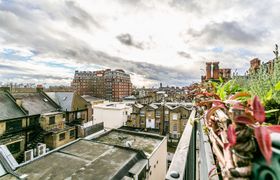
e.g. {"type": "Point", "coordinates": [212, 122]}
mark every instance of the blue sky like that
{"type": "Point", "coordinates": [155, 41]}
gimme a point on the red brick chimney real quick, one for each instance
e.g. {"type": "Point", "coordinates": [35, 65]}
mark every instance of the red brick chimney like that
{"type": "Point", "coordinates": [208, 70]}
{"type": "Point", "coordinates": [215, 70]}
{"type": "Point", "coordinates": [39, 88]}
{"type": "Point", "coordinates": [255, 64]}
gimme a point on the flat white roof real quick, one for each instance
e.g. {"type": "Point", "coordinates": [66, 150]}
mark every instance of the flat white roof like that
{"type": "Point", "coordinates": [111, 105]}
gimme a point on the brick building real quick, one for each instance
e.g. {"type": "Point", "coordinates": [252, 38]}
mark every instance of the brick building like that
{"type": "Point", "coordinates": [169, 118]}
{"type": "Point", "coordinates": [106, 84]}
{"type": "Point", "coordinates": [254, 65]}
{"type": "Point", "coordinates": [213, 72]}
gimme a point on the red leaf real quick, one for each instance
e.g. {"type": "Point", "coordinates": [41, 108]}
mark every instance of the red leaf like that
{"type": "Point", "coordinates": [245, 119]}
{"type": "Point", "coordinates": [238, 106]}
{"type": "Point", "coordinates": [212, 110]}
{"type": "Point", "coordinates": [264, 141]}
{"type": "Point", "coordinates": [274, 128]}
{"type": "Point", "coordinates": [239, 94]}
{"type": "Point", "coordinates": [226, 145]}
{"type": "Point", "coordinates": [218, 103]}
{"type": "Point", "coordinates": [231, 135]}
{"type": "Point", "coordinates": [258, 110]}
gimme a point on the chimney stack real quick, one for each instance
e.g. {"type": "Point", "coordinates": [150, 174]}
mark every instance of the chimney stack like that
{"type": "Point", "coordinates": [19, 102]}
{"type": "Point", "coordinates": [208, 70]}
{"type": "Point", "coordinates": [39, 88]}
{"type": "Point", "coordinates": [215, 70]}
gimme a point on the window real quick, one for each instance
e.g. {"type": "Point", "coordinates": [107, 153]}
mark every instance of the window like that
{"type": "Point", "coordinates": [166, 112]}
{"type": "Point", "coordinates": [157, 125]}
{"type": "Point", "coordinates": [61, 136]}
{"type": "Point", "coordinates": [72, 133]}
{"type": "Point", "coordinates": [14, 148]}
{"type": "Point", "coordinates": [157, 113]}
{"type": "Point", "coordinates": [78, 115]}
{"type": "Point", "coordinates": [142, 113]}
{"type": "Point", "coordinates": [175, 127]}
{"type": "Point", "coordinates": [175, 116]}
{"type": "Point", "coordinates": [51, 120]}
{"type": "Point", "coordinates": [14, 125]}
{"type": "Point", "coordinates": [33, 121]}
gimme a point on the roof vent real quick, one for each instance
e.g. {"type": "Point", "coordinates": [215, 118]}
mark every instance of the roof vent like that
{"type": "Point", "coordinates": [45, 100]}
{"type": "Point", "coordinates": [128, 144]}
{"type": "Point", "coordinates": [64, 98]}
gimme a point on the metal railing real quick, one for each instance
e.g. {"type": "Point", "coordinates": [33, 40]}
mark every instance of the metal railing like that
{"type": "Point", "coordinates": [193, 158]}
{"type": "Point", "coordinates": [184, 160]}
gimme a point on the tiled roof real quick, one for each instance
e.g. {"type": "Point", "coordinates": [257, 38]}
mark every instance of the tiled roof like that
{"type": "Point", "coordinates": [64, 99]}
{"type": "Point", "coordinates": [8, 107]}
{"type": "Point", "coordinates": [35, 103]}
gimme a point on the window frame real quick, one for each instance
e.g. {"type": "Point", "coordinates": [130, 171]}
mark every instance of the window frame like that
{"type": "Point", "coordinates": [60, 136]}
{"type": "Point", "coordinates": [51, 120]}
{"type": "Point", "coordinates": [72, 135]}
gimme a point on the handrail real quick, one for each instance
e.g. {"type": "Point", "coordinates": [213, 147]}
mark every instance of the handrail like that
{"type": "Point", "coordinates": [177, 167]}
{"type": "Point", "coordinates": [207, 165]}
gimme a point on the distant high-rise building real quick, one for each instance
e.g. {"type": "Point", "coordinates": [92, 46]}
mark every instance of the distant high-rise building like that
{"type": "Point", "coordinates": [106, 84]}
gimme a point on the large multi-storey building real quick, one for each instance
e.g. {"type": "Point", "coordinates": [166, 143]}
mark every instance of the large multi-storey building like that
{"type": "Point", "coordinates": [107, 84]}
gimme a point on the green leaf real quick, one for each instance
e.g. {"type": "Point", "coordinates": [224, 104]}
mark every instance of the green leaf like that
{"type": "Point", "coordinates": [271, 111]}
{"type": "Point", "coordinates": [221, 79]}
{"type": "Point", "coordinates": [277, 86]}
{"type": "Point", "coordinates": [268, 95]}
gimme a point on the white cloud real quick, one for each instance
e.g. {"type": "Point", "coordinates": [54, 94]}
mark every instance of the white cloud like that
{"type": "Point", "coordinates": [170, 39]}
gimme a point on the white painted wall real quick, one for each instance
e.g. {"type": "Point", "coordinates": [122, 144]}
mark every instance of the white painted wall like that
{"type": "Point", "coordinates": [158, 162]}
{"type": "Point", "coordinates": [112, 117]}
{"type": "Point", "coordinates": [150, 123]}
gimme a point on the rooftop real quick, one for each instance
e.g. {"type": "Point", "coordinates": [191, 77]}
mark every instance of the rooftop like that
{"type": "Point", "coordinates": [82, 160]}
{"type": "Point", "coordinates": [145, 142]}
{"type": "Point", "coordinates": [89, 98]}
{"type": "Point", "coordinates": [35, 103]}
{"type": "Point", "coordinates": [64, 99]}
{"type": "Point", "coordinates": [111, 105]}
{"type": "Point", "coordinates": [8, 108]}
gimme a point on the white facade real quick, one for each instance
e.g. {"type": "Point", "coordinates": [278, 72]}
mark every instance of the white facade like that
{"type": "Point", "coordinates": [158, 162]}
{"type": "Point", "coordinates": [150, 123]}
{"type": "Point", "coordinates": [113, 115]}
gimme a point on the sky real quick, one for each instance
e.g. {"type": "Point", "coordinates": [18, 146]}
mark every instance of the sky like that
{"type": "Point", "coordinates": [155, 41]}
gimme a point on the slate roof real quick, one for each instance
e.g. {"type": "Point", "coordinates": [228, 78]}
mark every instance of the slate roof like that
{"type": "Point", "coordinates": [35, 103]}
{"type": "Point", "coordinates": [8, 108]}
{"type": "Point", "coordinates": [64, 99]}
